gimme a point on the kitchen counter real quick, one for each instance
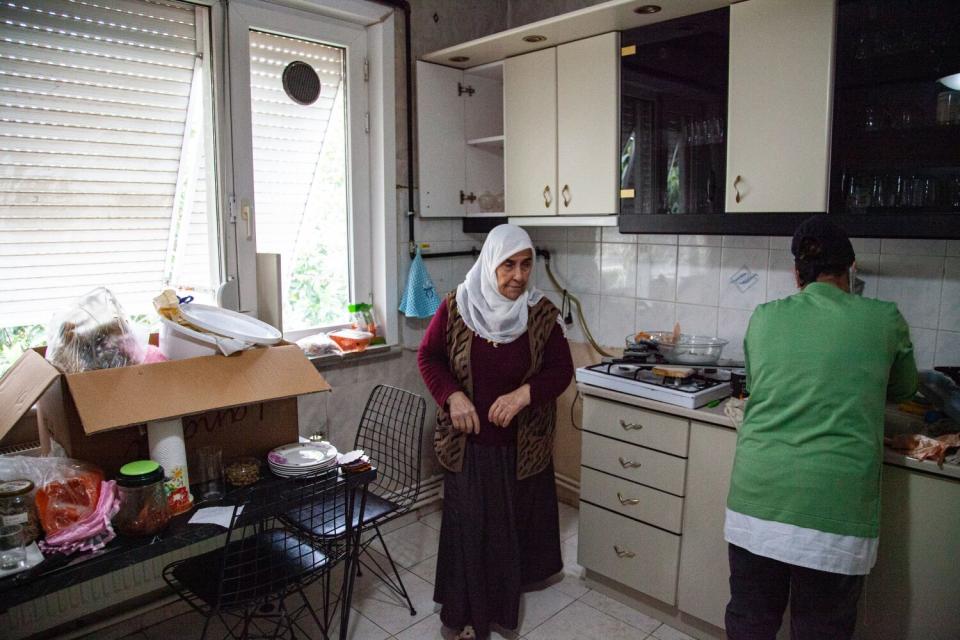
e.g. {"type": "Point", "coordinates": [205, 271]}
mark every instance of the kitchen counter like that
{"type": "Point", "coordinates": [716, 416]}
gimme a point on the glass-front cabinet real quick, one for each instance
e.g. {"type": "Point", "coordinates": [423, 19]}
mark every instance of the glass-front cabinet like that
{"type": "Point", "coordinates": [896, 126]}
{"type": "Point", "coordinates": [673, 108]}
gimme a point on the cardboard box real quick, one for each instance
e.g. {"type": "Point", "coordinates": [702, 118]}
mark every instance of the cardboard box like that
{"type": "Point", "coordinates": [245, 403]}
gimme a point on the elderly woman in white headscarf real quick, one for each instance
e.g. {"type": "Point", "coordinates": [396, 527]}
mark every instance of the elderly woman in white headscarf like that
{"type": "Point", "coordinates": [495, 359]}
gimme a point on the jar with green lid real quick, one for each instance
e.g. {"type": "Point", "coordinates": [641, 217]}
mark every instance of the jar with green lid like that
{"type": "Point", "coordinates": [17, 507]}
{"type": "Point", "coordinates": [143, 502]}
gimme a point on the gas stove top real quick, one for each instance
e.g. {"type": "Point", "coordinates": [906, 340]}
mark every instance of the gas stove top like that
{"type": "Point", "coordinates": [627, 376]}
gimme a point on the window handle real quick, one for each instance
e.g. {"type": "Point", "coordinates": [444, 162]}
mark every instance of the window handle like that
{"type": "Point", "coordinates": [629, 464]}
{"type": "Point", "coordinates": [630, 426]}
{"type": "Point", "coordinates": [623, 553]}
{"type": "Point", "coordinates": [627, 501]}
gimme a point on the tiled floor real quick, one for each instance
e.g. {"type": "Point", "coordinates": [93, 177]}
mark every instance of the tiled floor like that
{"type": "Point", "coordinates": [566, 609]}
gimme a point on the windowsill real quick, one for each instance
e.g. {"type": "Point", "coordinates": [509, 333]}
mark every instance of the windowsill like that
{"type": "Point", "coordinates": [372, 353]}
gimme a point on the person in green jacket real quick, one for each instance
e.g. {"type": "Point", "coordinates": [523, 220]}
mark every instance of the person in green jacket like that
{"type": "Point", "coordinates": [803, 510]}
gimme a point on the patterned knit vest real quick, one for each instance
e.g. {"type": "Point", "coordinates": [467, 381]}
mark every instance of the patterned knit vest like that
{"type": "Point", "coordinates": [535, 425]}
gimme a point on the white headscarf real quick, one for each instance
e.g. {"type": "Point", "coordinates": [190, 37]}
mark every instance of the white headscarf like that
{"type": "Point", "coordinates": [486, 311]}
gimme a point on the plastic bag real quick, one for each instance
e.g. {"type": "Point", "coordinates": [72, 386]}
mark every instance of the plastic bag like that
{"type": "Point", "coordinates": [319, 344]}
{"type": "Point", "coordinates": [94, 334]}
{"type": "Point", "coordinates": [67, 490]}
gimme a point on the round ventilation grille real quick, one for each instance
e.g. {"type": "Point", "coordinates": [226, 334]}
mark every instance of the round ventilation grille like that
{"type": "Point", "coordinates": [301, 82]}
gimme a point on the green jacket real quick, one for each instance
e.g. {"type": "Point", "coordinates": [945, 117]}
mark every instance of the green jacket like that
{"type": "Point", "coordinates": [821, 365]}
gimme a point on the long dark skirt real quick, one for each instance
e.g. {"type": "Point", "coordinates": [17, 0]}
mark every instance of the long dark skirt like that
{"type": "Point", "coordinates": [498, 535]}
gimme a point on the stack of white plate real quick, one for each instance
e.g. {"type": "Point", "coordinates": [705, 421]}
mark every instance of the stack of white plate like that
{"type": "Point", "coordinates": [301, 458]}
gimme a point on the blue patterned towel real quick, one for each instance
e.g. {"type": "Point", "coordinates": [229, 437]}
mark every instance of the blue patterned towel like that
{"type": "Point", "coordinates": [420, 299]}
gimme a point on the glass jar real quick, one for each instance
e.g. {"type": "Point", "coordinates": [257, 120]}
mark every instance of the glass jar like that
{"type": "Point", "coordinates": [143, 503]}
{"type": "Point", "coordinates": [17, 507]}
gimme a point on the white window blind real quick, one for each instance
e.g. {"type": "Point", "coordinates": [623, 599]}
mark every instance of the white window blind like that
{"type": "Point", "coordinates": [99, 184]}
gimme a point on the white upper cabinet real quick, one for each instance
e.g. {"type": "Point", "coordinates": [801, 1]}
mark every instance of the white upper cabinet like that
{"type": "Point", "coordinates": [460, 136]}
{"type": "Point", "coordinates": [530, 129]}
{"type": "Point", "coordinates": [588, 119]}
{"type": "Point", "coordinates": [561, 121]}
{"type": "Point", "coordinates": [779, 115]}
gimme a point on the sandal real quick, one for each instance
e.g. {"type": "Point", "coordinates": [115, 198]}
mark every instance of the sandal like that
{"type": "Point", "coordinates": [467, 633]}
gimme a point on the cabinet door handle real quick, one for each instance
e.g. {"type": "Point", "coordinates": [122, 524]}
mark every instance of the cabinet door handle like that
{"type": "Point", "coordinates": [626, 501]}
{"type": "Point", "coordinates": [736, 181]}
{"type": "Point", "coordinates": [628, 464]}
{"type": "Point", "coordinates": [547, 200]}
{"type": "Point", "coordinates": [630, 426]}
{"type": "Point", "coordinates": [567, 198]}
{"type": "Point", "coordinates": [623, 553]}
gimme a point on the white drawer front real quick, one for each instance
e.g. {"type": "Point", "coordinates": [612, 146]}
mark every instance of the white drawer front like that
{"type": "Point", "coordinates": [632, 553]}
{"type": "Point", "coordinates": [639, 426]}
{"type": "Point", "coordinates": [652, 468]}
{"type": "Point", "coordinates": [643, 503]}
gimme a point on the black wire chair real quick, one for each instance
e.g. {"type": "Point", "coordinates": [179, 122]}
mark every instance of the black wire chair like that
{"type": "Point", "coordinates": [247, 582]}
{"type": "Point", "coordinates": [391, 433]}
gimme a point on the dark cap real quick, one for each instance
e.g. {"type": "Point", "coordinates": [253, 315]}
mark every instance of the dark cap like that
{"type": "Point", "coordinates": [819, 240]}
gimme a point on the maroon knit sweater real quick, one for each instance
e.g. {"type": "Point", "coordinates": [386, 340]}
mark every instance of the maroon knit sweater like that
{"type": "Point", "coordinates": [496, 371]}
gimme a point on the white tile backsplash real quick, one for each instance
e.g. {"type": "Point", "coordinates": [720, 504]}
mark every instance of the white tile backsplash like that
{"type": "Point", "coordinates": [612, 234]}
{"type": "Point", "coordinates": [698, 275]}
{"type": "Point", "coordinates": [914, 283]}
{"type": "Point", "coordinates": [655, 315]}
{"type": "Point", "coordinates": [950, 297]}
{"type": "Point", "coordinates": [617, 320]}
{"type": "Point", "coordinates": [686, 279]}
{"type": "Point", "coordinates": [656, 271]}
{"type": "Point", "coordinates": [619, 269]}
{"type": "Point", "coordinates": [743, 278]}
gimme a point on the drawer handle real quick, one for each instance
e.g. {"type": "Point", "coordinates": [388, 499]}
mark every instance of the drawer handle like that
{"type": "Point", "coordinates": [623, 553]}
{"type": "Point", "coordinates": [630, 426]}
{"type": "Point", "coordinates": [628, 464]}
{"type": "Point", "coordinates": [626, 501]}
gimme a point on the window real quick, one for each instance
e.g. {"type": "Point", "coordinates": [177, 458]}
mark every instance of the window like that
{"type": "Point", "coordinates": [104, 128]}
{"type": "Point", "coordinates": [147, 144]}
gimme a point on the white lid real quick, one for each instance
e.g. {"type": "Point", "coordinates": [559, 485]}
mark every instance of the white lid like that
{"type": "Point", "coordinates": [230, 323]}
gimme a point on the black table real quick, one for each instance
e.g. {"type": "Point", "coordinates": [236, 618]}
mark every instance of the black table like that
{"type": "Point", "coordinates": [60, 572]}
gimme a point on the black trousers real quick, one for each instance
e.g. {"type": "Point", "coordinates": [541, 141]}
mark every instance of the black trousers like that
{"type": "Point", "coordinates": [823, 605]}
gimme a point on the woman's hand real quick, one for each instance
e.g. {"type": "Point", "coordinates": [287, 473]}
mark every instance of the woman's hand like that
{"type": "Point", "coordinates": [462, 413]}
{"type": "Point", "coordinates": [505, 408]}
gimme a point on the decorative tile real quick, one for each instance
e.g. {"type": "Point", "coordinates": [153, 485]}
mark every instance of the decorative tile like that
{"type": "Point", "coordinates": [698, 275]}
{"type": "Point", "coordinates": [619, 270]}
{"type": "Point", "coordinates": [908, 247]}
{"type": "Point", "coordinates": [924, 346]}
{"type": "Point", "coordinates": [950, 296]}
{"type": "Point", "coordinates": [654, 315]}
{"type": "Point", "coordinates": [580, 621]}
{"type": "Point", "coordinates": [617, 319]}
{"type": "Point", "coordinates": [914, 283]}
{"type": "Point", "coordinates": [732, 326]}
{"type": "Point", "coordinates": [743, 278]}
{"type": "Point", "coordinates": [656, 272]}
{"type": "Point", "coordinates": [620, 611]}
{"type": "Point", "coordinates": [781, 281]}
{"type": "Point", "coordinates": [948, 349]}
{"type": "Point", "coordinates": [700, 240]}
{"type": "Point", "coordinates": [746, 242]}
{"type": "Point", "coordinates": [697, 320]}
